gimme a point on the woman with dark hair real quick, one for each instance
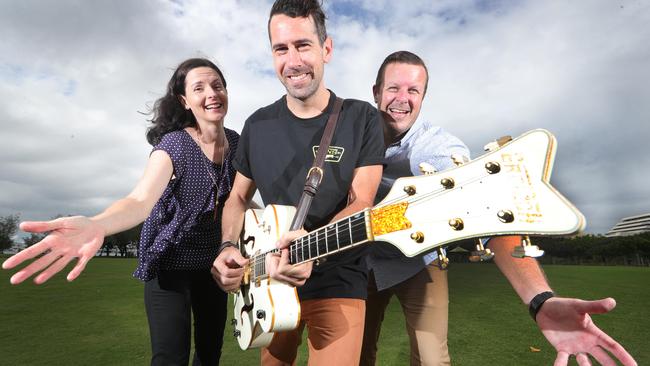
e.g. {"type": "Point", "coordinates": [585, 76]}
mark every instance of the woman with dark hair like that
{"type": "Point", "coordinates": [180, 199]}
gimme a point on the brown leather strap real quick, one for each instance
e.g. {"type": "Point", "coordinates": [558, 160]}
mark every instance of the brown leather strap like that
{"type": "Point", "coordinates": [315, 174]}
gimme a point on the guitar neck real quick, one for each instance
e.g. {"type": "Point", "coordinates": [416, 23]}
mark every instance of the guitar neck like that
{"type": "Point", "coordinates": [333, 238]}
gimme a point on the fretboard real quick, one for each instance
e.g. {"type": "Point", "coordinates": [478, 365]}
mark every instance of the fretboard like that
{"type": "Point", "coordinates": [333, 238]}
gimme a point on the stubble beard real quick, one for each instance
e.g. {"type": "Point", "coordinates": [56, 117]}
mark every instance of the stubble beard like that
{"type": "Point", "coordinates": [303, 93]}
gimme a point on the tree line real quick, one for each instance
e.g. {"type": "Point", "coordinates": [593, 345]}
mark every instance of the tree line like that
{"type": "Point", "coordinates": [631, 250]}
{"type": "Point", "coordinates": [585, 249]}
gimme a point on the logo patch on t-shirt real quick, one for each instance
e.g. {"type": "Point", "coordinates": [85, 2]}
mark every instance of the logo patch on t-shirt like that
{"type": "Point", "coordinates": [334, 153]}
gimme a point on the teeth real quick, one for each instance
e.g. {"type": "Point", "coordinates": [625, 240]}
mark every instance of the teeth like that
{"type": "Point", "coordinates": [393, 110]}
{"type": "Point", "coordinates": [297, 77]}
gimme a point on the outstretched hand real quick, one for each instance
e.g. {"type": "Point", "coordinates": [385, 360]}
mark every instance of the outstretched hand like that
{"type": "Point", "coordinates": [69, 238]}
{"type": "Point", "coordinates": [567, 325]}
{"type": "Point", "coordinates": [279, 267]}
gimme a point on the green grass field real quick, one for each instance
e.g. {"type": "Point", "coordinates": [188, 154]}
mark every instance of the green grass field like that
{"type": "Point", "coordinates": [99, 319]}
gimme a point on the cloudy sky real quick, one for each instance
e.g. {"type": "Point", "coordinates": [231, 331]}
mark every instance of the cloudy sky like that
{"type": "Point", "coordinates": [75, 77]}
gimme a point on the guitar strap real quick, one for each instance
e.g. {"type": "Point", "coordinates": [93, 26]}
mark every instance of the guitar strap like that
{"type": "Point", "coordinates": [315, 174]}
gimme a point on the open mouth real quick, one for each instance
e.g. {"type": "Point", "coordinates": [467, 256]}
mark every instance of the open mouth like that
{"type": "Point", "coordinates": [213, 106]}
{"type": "Point", "coordinates": [298, 77]}
{"type": "Point", "coordinates": [398, 111]}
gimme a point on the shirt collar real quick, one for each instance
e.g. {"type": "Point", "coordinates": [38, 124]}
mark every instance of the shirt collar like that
{"type": "Point", "coordinates": [407, 136]}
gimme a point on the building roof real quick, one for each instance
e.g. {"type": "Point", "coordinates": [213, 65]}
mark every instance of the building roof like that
{"type": "Point", "coordinates": [632, 225]}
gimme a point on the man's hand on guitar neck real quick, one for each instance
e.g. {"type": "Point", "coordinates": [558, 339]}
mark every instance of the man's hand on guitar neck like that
{"type": "Point", "coordinates": [279, 267]}
{"type": "Point", "coordinates": [228, 269]}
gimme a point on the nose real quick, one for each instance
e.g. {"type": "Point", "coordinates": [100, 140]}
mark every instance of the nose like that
{"type": "Point", "coordinates": [402, 94]}
{"type": "Point", "coordinates": [293, 57]}
{"type": "Point", "coordinates": [210, 92]}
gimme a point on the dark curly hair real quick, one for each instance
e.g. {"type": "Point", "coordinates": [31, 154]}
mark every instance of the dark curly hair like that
{"type": "Point", "coordinates": [168, 112]}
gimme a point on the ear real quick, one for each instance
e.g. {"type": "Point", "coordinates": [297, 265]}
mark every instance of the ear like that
{"type": "Point", "coordinates": [375, 94]}
{"type": "Point", "coordinates": [183, 101]}
{"type": "Point", "coordinates": [328, 47]}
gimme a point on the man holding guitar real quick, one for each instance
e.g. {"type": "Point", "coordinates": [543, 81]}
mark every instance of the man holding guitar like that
{"type": "Point", "coordinates": [420, 286]}
{"type": "Point", "coordinates": [276, 150]}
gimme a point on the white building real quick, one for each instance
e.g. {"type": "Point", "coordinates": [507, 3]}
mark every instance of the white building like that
{"type": "Point", "coordinates": [631, 226]}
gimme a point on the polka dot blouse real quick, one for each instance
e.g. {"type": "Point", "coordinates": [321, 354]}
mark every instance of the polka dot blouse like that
{"type": "Point", "coordinates": [181, 232]}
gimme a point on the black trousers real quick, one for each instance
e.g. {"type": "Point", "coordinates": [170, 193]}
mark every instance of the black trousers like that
{"type": "Point", "coordinates": [170, 300]}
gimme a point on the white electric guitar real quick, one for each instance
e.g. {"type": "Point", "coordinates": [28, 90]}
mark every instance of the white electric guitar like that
{"type": "Point", "coordinates": [503, 192]}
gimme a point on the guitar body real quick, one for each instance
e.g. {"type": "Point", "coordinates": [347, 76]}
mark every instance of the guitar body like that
{"type": "Point", "coordinates": [255, 306]}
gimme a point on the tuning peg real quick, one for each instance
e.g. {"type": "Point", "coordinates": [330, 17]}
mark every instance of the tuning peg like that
{"type": "Point", "coordinates": [442, 262]}
{"type": "Point", "coordinates": [459, 159]}
{"type": "Point", "coordinates": [426, 168]}
{"type": "Point", "coordinates": [496, 144]}
{"type": "Point", "coordinates": [481, 253]}
{"type": "Point", "coordinates": [526, 249]}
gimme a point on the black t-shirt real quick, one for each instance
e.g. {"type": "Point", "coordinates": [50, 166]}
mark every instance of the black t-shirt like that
{"type": "Point", "coordinates": [276, 149]}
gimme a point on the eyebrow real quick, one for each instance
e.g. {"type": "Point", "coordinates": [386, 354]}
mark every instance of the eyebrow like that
{"type": "Point", "coordinates": [199, 82]}
{"type": "Point", "coordinates": [301, 40]}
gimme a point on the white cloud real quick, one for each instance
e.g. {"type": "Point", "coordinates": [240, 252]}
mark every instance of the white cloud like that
{"type": "Point", "coordinates": [75, 75]}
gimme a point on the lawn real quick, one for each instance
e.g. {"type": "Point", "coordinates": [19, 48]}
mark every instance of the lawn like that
{"type": "Point", "coordinates": [99, 318]}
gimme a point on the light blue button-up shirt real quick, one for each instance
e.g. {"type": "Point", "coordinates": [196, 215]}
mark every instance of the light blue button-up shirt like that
{"type": "Point", "coordinates": [424, 142]}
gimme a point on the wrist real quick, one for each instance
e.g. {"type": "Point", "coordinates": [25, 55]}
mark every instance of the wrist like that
{"type": "Point", "coordinates": [537, 302]}
{"type": "Point", "coordinates": [226, 244]}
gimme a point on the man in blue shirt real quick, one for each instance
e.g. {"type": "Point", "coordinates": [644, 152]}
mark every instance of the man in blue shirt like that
{"type": "Point", "coordinates": [419, 285]}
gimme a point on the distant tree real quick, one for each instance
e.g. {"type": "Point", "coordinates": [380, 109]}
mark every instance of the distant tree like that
{"type": "Point", "coordinates": [128, 237]}
{"type": "Point", "coordinates": [122, 240]}
{"type": "Point", "coordinates": [109, 243]}
{"type": "Point", "coordinates": [8, 227]}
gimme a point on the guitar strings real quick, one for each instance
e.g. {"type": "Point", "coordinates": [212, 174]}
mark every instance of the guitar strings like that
{"type": "Point", "coordinates": [356, 226]}
{"type": "Point", "coordinates": [432, 194]}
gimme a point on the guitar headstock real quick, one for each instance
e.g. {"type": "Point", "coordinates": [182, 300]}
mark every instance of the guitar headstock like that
{"type": "Point", "coordinates": [504, 192]}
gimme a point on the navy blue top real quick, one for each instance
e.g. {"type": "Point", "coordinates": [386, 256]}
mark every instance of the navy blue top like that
{"type": "Point", "coordinates": [181, 231]}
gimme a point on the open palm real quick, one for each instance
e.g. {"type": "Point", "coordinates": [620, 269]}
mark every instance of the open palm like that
{"type": "Point", "coordinates": [567, 325]}
{"type": "Point", "coordinates": [69, 238]}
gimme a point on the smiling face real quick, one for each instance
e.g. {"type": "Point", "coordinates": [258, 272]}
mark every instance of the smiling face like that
{"type": "Point", "coordinates": [400, 96]}
{"type": "Point", "coordinates": [298, 56]}
{"type": "Point", "coordinates": [205, 95]}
